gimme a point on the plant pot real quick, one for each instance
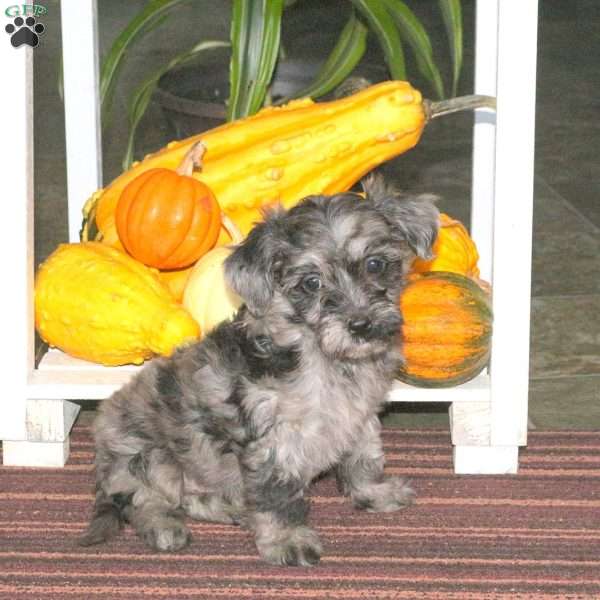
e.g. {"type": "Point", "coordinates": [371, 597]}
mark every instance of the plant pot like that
{"type": "Point", "coordinates": [193, 98]}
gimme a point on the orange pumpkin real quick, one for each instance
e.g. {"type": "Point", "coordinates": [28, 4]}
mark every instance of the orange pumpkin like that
{"type": "Point", "coordinates": [168, 219]}
{"type": "Point", "coordinates": [454, 251]}
{"type": "Point", "coordinates": [446, 331]}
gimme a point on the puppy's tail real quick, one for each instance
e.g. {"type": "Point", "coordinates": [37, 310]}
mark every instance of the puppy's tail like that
{"type": "Point", "coordinates": [107, 520]}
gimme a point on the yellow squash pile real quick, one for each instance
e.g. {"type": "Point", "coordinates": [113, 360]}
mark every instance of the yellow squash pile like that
{"type": "Point", "coordinates": [95, 301]}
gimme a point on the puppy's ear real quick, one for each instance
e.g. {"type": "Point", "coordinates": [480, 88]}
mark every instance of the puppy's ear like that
{"type": "Point", "coordinates": [250, 269]}
{"type": "Point", "coordinates": [414, 219]}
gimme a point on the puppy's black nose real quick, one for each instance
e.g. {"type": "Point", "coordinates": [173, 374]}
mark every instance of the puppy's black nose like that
{"type": "Point", "coordinates": [360, 325]}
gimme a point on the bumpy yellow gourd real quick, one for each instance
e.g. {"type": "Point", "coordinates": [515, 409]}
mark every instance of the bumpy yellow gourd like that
{"type": "Point", "coordinates": [284, 153]}
{"type": "Point", "coordinates": [96, 303]}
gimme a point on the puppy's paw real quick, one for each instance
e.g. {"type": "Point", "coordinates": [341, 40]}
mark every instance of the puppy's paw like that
{"type": "Point", "coordinates": [168, 536]}
{"type": "Point", "coordinates": [301, 548]}
{"type": "Point", "coordinates": [391, 494]}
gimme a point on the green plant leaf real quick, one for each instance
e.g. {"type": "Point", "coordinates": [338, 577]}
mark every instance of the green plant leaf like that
{"type": "Point", "coordinates": [150, 17]}
{"type": "Point", "coordinates": [255, 35]}
{"type": "Point", "coordinates": [378, 18]}
{"type": "Point", "coordinates": [412, 30]}
{"type": "Point", "coordinates": [140, 99]}
{"type": "Point", "coordinates": [346, 54]}
{"type": "Point", "coordinates": [452, 15]}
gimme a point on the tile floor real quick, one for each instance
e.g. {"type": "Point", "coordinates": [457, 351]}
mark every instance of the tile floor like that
{"type": "Point", "coordinates": [565, 332]}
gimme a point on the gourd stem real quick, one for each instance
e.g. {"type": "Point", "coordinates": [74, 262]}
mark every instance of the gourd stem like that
{"type": "Point", "coordinates": [452, 105]}
{"type": "Point", "coordinates": [232, 229]}
{"type": "Point", "coordinates": [192, 159]}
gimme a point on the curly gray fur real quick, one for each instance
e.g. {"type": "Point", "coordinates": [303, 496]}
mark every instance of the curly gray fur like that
{"type": "Point", "coordinates": [234, 428]}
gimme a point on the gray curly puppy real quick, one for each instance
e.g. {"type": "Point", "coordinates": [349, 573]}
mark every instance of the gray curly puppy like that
{"type": "Point", "coordinates": [234, 428]}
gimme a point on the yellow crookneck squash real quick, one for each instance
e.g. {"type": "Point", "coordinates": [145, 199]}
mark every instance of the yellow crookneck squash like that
{"type": "Point", "coordinates": [285, 153]}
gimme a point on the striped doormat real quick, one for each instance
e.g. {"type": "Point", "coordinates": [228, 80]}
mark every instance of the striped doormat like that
{"type": "Point", "coordinates": [531, 536]}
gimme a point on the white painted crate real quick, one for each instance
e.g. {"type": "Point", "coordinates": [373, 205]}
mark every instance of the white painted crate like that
{"type": "Point", "coordinates": [488, 414]}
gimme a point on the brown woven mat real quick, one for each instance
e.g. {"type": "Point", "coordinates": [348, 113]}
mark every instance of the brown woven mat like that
{"type": "Point", "coordinates": [531, 536]}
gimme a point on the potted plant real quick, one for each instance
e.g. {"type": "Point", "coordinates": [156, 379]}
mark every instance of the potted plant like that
{"type": "Point", "coordinates": [248, 71]}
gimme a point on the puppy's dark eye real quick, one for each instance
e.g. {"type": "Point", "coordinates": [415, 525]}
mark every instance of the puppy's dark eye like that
{"type": "Point", "coordinates": [375, 265]}
{"type": "Point", "coordinates": [312, 283]}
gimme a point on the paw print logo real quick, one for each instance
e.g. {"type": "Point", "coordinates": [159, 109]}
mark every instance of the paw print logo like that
{"type": "Point", "coordinates": [24, 31]}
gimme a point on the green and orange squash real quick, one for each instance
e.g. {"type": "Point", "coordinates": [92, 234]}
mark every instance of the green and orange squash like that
{"type": "Point", "coordinates": [446, 331]}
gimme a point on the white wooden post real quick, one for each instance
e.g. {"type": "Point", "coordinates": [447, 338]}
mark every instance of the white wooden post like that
{"type": "Point", "coordinates": [513, 219]}
{"type": "Point", "coordinates": [484, 134]}
{"type": "Point", "coordinates": [487, 439]}
{"type": "Point", "coordinates": [16, 241]}
{"type": "Point", "coordinates": [35, 430]}
{"type": "Point", "coordinates": [82, 105]}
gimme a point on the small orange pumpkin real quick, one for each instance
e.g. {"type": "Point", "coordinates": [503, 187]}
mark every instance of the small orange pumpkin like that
{"type": "Point", "coordinates": [454, 251]}
{"type": "Point", "coordinates": [168, 219]}
{"type": "Point", "coordinates": [446, 331]}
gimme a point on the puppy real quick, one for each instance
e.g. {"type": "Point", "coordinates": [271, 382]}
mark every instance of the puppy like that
{"type": "Point", "coordinates": [234, 428]}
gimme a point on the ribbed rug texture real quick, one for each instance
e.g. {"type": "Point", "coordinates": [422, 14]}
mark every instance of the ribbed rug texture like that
{"type": "Point", "coordinates": [535, 535]}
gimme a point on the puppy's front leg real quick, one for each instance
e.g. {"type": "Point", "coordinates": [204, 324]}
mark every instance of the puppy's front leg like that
{"type": "Point", "coordinates": [360, 475]}
{"type": "Point", "coordinates": [277, 512]}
